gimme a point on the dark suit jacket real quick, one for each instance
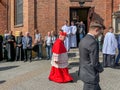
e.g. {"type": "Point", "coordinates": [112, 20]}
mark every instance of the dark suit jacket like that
{"type": "Point", "coordinates": [19, 40]}
{"type": "Point", "coordinates": [89, 60]}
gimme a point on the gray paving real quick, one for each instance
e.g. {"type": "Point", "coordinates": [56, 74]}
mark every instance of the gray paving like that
{"type": "Point", "coordinates": [34, 76]}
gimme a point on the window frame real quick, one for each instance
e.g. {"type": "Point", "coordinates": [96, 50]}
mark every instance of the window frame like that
{"type": "Point", "coordinates": [16, 18]}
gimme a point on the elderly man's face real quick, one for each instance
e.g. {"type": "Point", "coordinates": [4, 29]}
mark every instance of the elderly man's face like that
{"type": "Point", "coordinates": [10, 32]}
{"type": "Point", "coordinates": [27, 34]}
{"type": "Point", "coordinates": [49, 33]}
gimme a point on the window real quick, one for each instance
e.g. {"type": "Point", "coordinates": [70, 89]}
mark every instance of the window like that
{"type": "Point", "coordinates": [18, 12]}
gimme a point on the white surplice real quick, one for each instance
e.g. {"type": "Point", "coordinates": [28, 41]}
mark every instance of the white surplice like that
{"type": "Point", "coordinates": [66, 29]}
{"type": "Point", "coordinates": [73, 39]}
{"type": "Point", "coordinates": [110, 44]}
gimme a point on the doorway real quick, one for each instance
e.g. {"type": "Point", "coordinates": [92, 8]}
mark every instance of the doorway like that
{"type": "Point", "coordinates": [78, 14]}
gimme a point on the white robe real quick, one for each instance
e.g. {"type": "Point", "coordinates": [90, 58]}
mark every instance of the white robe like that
{"type": "Point", "coordinates": [66, 29]}
{"type": "Point", "coordinates": [110, 44]}
{"type": "Point", "coordinates": [73, 41]}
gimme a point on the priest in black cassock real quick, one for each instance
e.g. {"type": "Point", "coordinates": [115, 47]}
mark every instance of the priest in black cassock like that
{"type": "Point", "coordinates": [10, 40]}
{"type": "Point", "coordinates": [1, 41]}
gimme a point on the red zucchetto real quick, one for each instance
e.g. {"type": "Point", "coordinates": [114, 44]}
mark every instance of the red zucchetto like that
{"type": "Point", "coordinates": [63, 33]}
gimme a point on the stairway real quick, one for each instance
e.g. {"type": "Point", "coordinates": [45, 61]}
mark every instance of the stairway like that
{"type": "Point", "coordinates": [73, 54]}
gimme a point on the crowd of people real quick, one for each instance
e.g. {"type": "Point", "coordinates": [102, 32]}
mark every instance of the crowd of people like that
{"type": "Point", "coordinates": [89, 47]}
{"type": "Point", "coordinates": [20, 48]}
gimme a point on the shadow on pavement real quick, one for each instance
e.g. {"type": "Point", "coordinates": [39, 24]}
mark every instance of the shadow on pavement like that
{"type": "Point", "coordinates": [116, 67]}
{"type": "Point", "coordinates": [2, 81]}
{"type": "Point", "coordinates": [7, 68]}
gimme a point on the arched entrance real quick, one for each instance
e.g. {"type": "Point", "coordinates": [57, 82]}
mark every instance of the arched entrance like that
{"type": "Point", "coordinates": [84, 14]}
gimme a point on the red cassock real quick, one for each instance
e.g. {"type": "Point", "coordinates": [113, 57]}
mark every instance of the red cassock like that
{"type": "Point", "coordinates": [59, 71]}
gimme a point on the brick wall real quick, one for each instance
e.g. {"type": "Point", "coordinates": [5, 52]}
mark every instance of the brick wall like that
{"type": "Point", "coordinates": [31, 17]}
{"type": "Point", "coordinates": [64, 5]}
{"type": "Point", "coordinates": [3, 18]}
{"type": "Point", "coordinates": [23, 28]}
{"type": "Point", "coordinates": [116, 4]}
{"type": "Point", "coordinates": [45, 14]}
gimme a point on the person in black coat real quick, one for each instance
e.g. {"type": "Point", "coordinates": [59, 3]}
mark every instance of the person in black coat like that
{"type": "Point", "coordinates": [1, 54]}
{"type": "Point", "coordinates": [19, 49]}
{"type": "Point", "coordinates": [5, 57]}
{"type": "Point", "coordinates": [10, 40]}
{"type": "Point", "coordinates": [90, 66]}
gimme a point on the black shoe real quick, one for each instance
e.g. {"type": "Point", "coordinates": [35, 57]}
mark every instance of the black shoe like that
{"type": "Point", "coordinates": [30, 60]}
{"type": "Point", "coordinates": [116, 64]}
{"type": "Point", "coordinates": [48, 58]}
{"type": "Point", "coordinates": [25, 60]}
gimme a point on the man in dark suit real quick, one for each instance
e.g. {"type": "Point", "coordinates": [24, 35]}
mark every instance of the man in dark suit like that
{"type": "Point", "coordinates": [10, 40]}
{"type": "Point", "coordinates": [1, 41]}
{"type": "Point", "coordinates": [90, 66]}
{"type": "Point", "coordinates": [19, 49]}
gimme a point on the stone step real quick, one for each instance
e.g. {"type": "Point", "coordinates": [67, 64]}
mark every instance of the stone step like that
{"type": "Point", "coordinates": [74, 50]}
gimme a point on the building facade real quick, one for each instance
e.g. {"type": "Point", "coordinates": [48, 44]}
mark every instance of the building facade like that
{"type": "Point", "coordinates": [48, 15]}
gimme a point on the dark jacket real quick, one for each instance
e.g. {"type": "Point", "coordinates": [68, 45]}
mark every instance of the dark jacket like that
{"type": "Point", "coordinates": [118, 40]}
{"type": "Point", "coordinates": [19, 40]}
{"type": "Point", "coordinates": [90, 66]}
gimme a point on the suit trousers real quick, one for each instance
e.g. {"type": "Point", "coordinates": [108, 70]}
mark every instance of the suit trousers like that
{"type": "Point", "coordinates": [18, 53]}
{"type": "Point", "coordinates": [27, 54]}
{"type": "Point", "coordinates": [89, 86]}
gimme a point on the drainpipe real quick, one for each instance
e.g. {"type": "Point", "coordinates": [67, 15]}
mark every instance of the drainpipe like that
{"type": "Point", "coordinates": [35, 14]}
{"type": "Point", "coordinates": [56, 20]}
{"type": "Point", "coordinates": [7, 15]}
{"type": "Point", "coordinates": [112, 6]}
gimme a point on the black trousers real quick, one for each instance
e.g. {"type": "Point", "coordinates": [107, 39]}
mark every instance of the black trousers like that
{"type": "Point", "coordinates": [27, 54]}
{"type": "Point", "coordinates": [108, 60]}
{"type": "Point", "coordinates": [1, 54]}
{"type": "Point", "coordinates": [89, 86]}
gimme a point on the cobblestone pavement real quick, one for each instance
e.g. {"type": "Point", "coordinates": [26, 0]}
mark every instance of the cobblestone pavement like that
{"type": "Point", "coordinates": [34, 76]}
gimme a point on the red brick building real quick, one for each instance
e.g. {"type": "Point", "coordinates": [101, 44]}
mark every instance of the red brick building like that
{"type": "Point", "coordinates": [47, 15]}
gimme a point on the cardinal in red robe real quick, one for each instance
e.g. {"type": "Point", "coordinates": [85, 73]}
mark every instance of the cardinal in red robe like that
{"type": "Point", "coordinates": [59, 71]}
